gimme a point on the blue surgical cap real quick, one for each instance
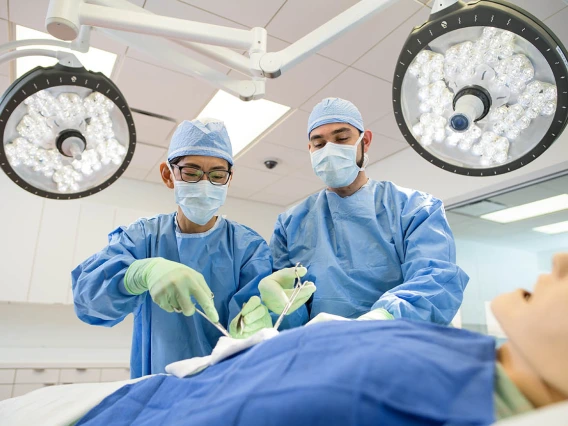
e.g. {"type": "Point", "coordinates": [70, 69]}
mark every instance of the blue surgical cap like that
{"type": "Point", "coordinates": [335, 110]}
{"type": "Point", "coordinates": [201, 137]}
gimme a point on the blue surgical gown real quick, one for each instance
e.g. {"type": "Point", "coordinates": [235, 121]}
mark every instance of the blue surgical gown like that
{"type": "Point", "coordinates": [231, 257]}
{"type": "Point", "coordinates": [382, 247]}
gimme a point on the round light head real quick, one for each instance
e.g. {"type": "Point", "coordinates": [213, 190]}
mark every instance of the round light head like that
{"type": "Point", "coordinates": [476, 89]}
{"type": "Point", "coordinates": [66, 132]}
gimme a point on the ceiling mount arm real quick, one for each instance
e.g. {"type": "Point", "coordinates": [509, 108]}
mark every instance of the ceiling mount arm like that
{"type": "Point", "coordinates": [273, 64]}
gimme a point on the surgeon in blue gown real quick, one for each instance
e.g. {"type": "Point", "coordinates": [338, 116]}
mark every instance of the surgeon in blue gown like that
{"type": "Point", "coordinates": [371, 247]}
{"type": "Point", "coordinates": [156, 268]}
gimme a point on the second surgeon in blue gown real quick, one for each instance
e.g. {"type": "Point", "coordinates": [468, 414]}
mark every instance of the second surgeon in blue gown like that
{"type": "Point", "coordinates": [372, 248]}
{"type": "Point", "coordinates": [231, 258]}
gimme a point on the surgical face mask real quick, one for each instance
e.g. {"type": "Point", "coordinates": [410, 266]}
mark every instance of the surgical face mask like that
{"type": "Point", "coordinates": [199, 201]}
{"type": "Point", "coordinates": [336, 164]}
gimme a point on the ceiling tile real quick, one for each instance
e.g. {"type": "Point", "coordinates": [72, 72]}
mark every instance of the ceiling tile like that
{"type": "Point", "coordinates": [287, 191]}
{"type": "Point", "coordinates": [252, 13]}
{"type": "Point", "coordinates": [145, 157]}
{"type": "Point", "coordinates": [152, 130]}
{"type": "Point", "coordinates": [291, 132]}
{"type": "Point", "coordinates": [357, 41]}
{"type": "Point", "coordinates": [298, 84]}
{"type": "Point", "coordinates": [178, 9]}
{"type": "Point", "coordinates": [542, 9]}
{"type": "Point", "coordinates": [370, 94]}
{"type": "Point", "coordinates": [557, 23]}
{"type": "Point", "coordinates": [31, 14]}
{"type": "Point", "coordinates": [154, 175]}
{"type": "Point", "coordinates": [4, 38]}
{"type": "Point", "coordinates": [4, 83]}
{"type": "Point", "coordinates": [161, 91]}
{"type": "Point", "coordinates": [382, 59]}
{"type": "Point", "coordinates": [247, 182]}
{"type": "Point", "coordinates": [387, 126]}
{"type": "Point", "coordinates": [290, 25]}
{"type": "Point", "coordinates": [382, 147]}
{"type": "Point", "coordinates": [254, 158]}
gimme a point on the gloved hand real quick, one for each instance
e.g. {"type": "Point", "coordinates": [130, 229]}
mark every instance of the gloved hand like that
{"type": "Point", "coordinates": [376, 314]}
{"type": "Point", "coordinates": [171, 286]}
{"type": "Point", "coordinates": [276, 289]}
{"type": "Point", "coordinates": [253, 317]}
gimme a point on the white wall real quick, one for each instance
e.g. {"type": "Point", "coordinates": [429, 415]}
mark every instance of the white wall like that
{"type": "Point", "coordinates": [407, 168]}
{"type": "Point", "coordinates": [492, 271]}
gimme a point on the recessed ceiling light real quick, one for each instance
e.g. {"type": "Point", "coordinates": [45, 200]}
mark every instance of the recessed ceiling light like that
{"type": "Point", "coordinates": [554, 228]}
{"type": "Point", "coordinates": [245, 121]}
{"type": "Point", "coordinates": [526, 211]}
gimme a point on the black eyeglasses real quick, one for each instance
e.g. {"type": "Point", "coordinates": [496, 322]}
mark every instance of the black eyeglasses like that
{"type": "Point", "coordinates": [192, 175]}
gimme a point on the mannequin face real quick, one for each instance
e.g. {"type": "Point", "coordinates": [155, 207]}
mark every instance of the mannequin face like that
{"type": "Point", "coordinates": [537, 323]}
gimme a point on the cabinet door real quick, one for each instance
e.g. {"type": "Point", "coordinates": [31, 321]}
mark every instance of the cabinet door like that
{"type": "Point", "coordinates": [37, 375]}
{"type": "Point", "coordinates": [5, 392]}
{"type": "Point", "coordinates": [115, 374]}
{"type": "Point", "coordinates": [20, 216]}
{"type": "Point", "coordinates": [7, 376]}
{"type": "Point", "coordinates": [79, 375]}
{"type": "Point", "coordinates": [54, 253]}
{"type": "Point", "coordinates": [20, 390]}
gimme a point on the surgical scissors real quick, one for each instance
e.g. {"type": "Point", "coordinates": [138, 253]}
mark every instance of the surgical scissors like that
{"type": "Point", "coordinates": [217, 325]}
{"type": "Point", "coordinates": [298, 285]}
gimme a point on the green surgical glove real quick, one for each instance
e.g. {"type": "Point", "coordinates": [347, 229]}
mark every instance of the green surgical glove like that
{"type": "Point", "coordinates": [376, 314]}
{"type": "Point", "coordinates": [276, 289]}
{"type": "Point", "coordinates": [253, 317]}
{"type": "Point", "coordinates": [171, 286]}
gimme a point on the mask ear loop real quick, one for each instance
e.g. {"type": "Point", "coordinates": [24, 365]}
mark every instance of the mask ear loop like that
{"type": "Point", "coordinates": [365, 156]}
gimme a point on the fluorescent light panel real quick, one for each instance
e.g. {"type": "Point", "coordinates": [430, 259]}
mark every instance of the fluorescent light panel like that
{"type": "Point", "coordinates": [96, 60]}
{"type": "Point", "coordinates": [554, 228]}
{"type": "Point", "coordinates": [526, 211]}
{"type": "Point", "coordinates": [245, 121]}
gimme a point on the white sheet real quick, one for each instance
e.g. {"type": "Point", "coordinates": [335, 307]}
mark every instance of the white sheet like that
{"type": "Point", "coordinates": [57, 405]}
{"type": "Point", "coordinates": [225, 347]}
{"type": "Point", "coordinates": [554, 415]}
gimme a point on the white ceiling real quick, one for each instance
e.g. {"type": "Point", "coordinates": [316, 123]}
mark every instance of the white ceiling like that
{"type": "Point", "coordinates": [519, 235]}
{"type": "Point", "coordinates": [358, 66]}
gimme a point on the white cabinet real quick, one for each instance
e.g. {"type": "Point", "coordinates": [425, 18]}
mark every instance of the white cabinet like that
{"type": "Point", "coordinates": [20, 390]}
{"type": "Point", "coordinates": [54, 253]}
{"type": "Point", "coordinates": [5, 392]}
{"type": "Point", "coordinates": [114, 374]}
{"type": "Point", "coordinates": [7, 376]}
{"type": "Point", "coordinates": [79, 375]}
{"type": "Point", "coordinates": [37, 375]}
{"type": "Point", "coordinates": [20, 216]}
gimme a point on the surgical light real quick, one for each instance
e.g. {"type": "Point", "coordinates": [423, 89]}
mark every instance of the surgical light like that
{"type": "Point", "coordinates": [66, 132]}
{"type": "Point", "coordinates": [480, 89]}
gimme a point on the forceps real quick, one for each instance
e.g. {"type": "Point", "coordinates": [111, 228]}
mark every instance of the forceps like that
{"type": "Point", "coordinates": [298, 285]}
{"type": "Point", "coordinates": [217, 325]}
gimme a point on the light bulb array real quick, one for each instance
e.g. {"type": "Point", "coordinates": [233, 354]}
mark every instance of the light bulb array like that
{"type": "Point", "coordinates": [490, 138]}
{"type": "Point", "coordinates": [47, 115]}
